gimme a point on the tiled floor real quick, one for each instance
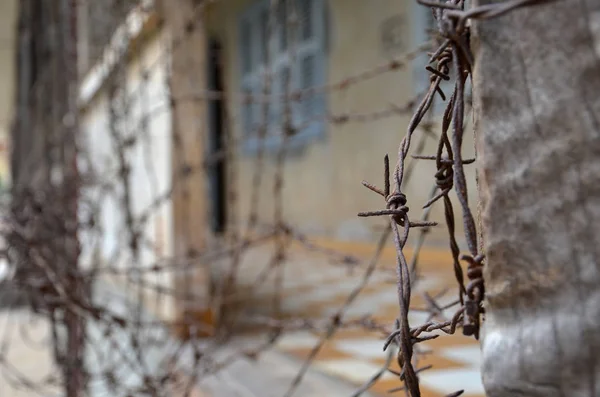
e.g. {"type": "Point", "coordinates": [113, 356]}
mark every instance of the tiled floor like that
{"type": "Point", "coordinates": [356, 355]}
{"type": "Point", "coordinates": [25, 345]}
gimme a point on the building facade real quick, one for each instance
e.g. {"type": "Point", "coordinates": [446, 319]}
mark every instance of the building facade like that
{"type": "Point", "coordinates": [342, 132]}
{"type": "Point", "coordinates": [346, 56]}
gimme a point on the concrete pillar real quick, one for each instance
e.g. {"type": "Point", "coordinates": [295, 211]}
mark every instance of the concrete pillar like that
{"type": "Point", "coordinates": [183, 20]}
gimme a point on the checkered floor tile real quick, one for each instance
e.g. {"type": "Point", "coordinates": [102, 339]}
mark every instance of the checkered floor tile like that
{"type": "Point", "coordinates": [356, 355]}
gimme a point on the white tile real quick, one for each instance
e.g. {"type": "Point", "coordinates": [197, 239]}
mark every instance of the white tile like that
{"type": "Point", "coordinates": [297, 340]}
{"type": "Point", "coordinates": [322, 294]}
{"type": "Point", "coordinates": [360, 307]}
{"type": "Point", "coordinates": [363, 348]}
{"type": "Point", "coordinates": [469, 355]}
{"type": "Point", "coordinates": [356, 311]}
{"type": "Point", "coordinates": [388, 295]}
{"type": "Point", "coordinates": [416, 318]}
{"type": "Point", "coordinates": [449, 297]}
{"type": "Point", "coordinates": [451, 380]}
{"type": "Point", "coordinates": [428, 282]}
{"type": "Point", "coordinates": [358, 371]}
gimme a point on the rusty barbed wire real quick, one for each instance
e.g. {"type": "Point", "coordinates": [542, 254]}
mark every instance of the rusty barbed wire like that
{"type": "Point", "coordinates": [134, 310]}
{"type": "Point", "coordinates": [451, 54]}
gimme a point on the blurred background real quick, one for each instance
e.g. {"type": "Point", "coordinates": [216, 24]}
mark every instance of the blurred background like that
{"type": "Point", "coordinates": [181, 181]}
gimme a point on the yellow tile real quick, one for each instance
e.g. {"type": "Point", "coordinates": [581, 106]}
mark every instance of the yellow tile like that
{"type": "Point", "coordinates": [353, 333]}
{"type": "Point", "coordinates": [327, 352]}
{"type": "Point", "coordinates": [383, 387]}
{"type": "Point", "coordinates": [458, 339]}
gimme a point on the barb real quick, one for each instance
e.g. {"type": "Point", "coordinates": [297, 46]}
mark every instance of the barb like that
{"type": "Point", "coordinates": [158, 249]}
{"type": "Point", "coordinates": [452, 54]}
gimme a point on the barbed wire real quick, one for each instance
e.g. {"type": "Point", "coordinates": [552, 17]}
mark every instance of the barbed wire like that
{"type": "Point", "coordinates": [452, 54]}
{"type": "Point", "coordinates": [98, 272]}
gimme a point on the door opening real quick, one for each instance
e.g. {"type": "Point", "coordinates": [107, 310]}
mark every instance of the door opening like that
{"type": "Point", "coordinates": [216, 141]}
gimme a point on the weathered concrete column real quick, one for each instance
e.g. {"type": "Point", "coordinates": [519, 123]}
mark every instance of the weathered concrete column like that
{"type": "Point", "coordinates": [189, 115]}
{"type": "Point", "coordinates": [537, 98]}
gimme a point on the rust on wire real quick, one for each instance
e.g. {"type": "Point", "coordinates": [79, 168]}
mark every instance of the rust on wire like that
{"type": "Point", "coordinates": [452, 55]}
{"type": "Point", "coordinates": [44, 227]}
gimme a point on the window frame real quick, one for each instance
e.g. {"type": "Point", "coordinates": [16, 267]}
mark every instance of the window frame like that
{"type": "Point", "coordinates": [280, 59]}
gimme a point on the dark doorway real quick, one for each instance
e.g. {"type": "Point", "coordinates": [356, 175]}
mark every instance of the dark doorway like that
{"type": "Point", "coordinates": [216, 141]}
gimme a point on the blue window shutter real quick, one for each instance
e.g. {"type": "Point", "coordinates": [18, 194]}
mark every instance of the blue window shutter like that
{"type": "Point", "coordinates": [307, 70]}
{"type": "Point", "coordinates": [305, 11]}
{"type": "Point", "coordinates": [311, 69]}
{"type": "Point", "coordinates": [246, 46]}
{"type": "Point", "coordinates": [308, 66]}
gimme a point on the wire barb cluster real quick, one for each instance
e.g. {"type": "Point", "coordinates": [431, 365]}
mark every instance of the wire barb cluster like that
{"type": "Point", "coordinates": [453, 63]}
{"type": "Point", "coordinates": [74, 185]}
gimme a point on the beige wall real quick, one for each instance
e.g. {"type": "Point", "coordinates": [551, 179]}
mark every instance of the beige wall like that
{"type": "Point", "coordinates": [323, 191]}
{"type": "Point", "coordinates": [8, 30]}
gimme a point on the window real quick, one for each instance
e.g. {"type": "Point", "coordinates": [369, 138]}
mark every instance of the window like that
{"type": "Point", "coordinates": [260, 53]}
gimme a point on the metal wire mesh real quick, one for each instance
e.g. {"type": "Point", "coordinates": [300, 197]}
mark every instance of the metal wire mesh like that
{"type": "Point", "coordinates": [114, 242]}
